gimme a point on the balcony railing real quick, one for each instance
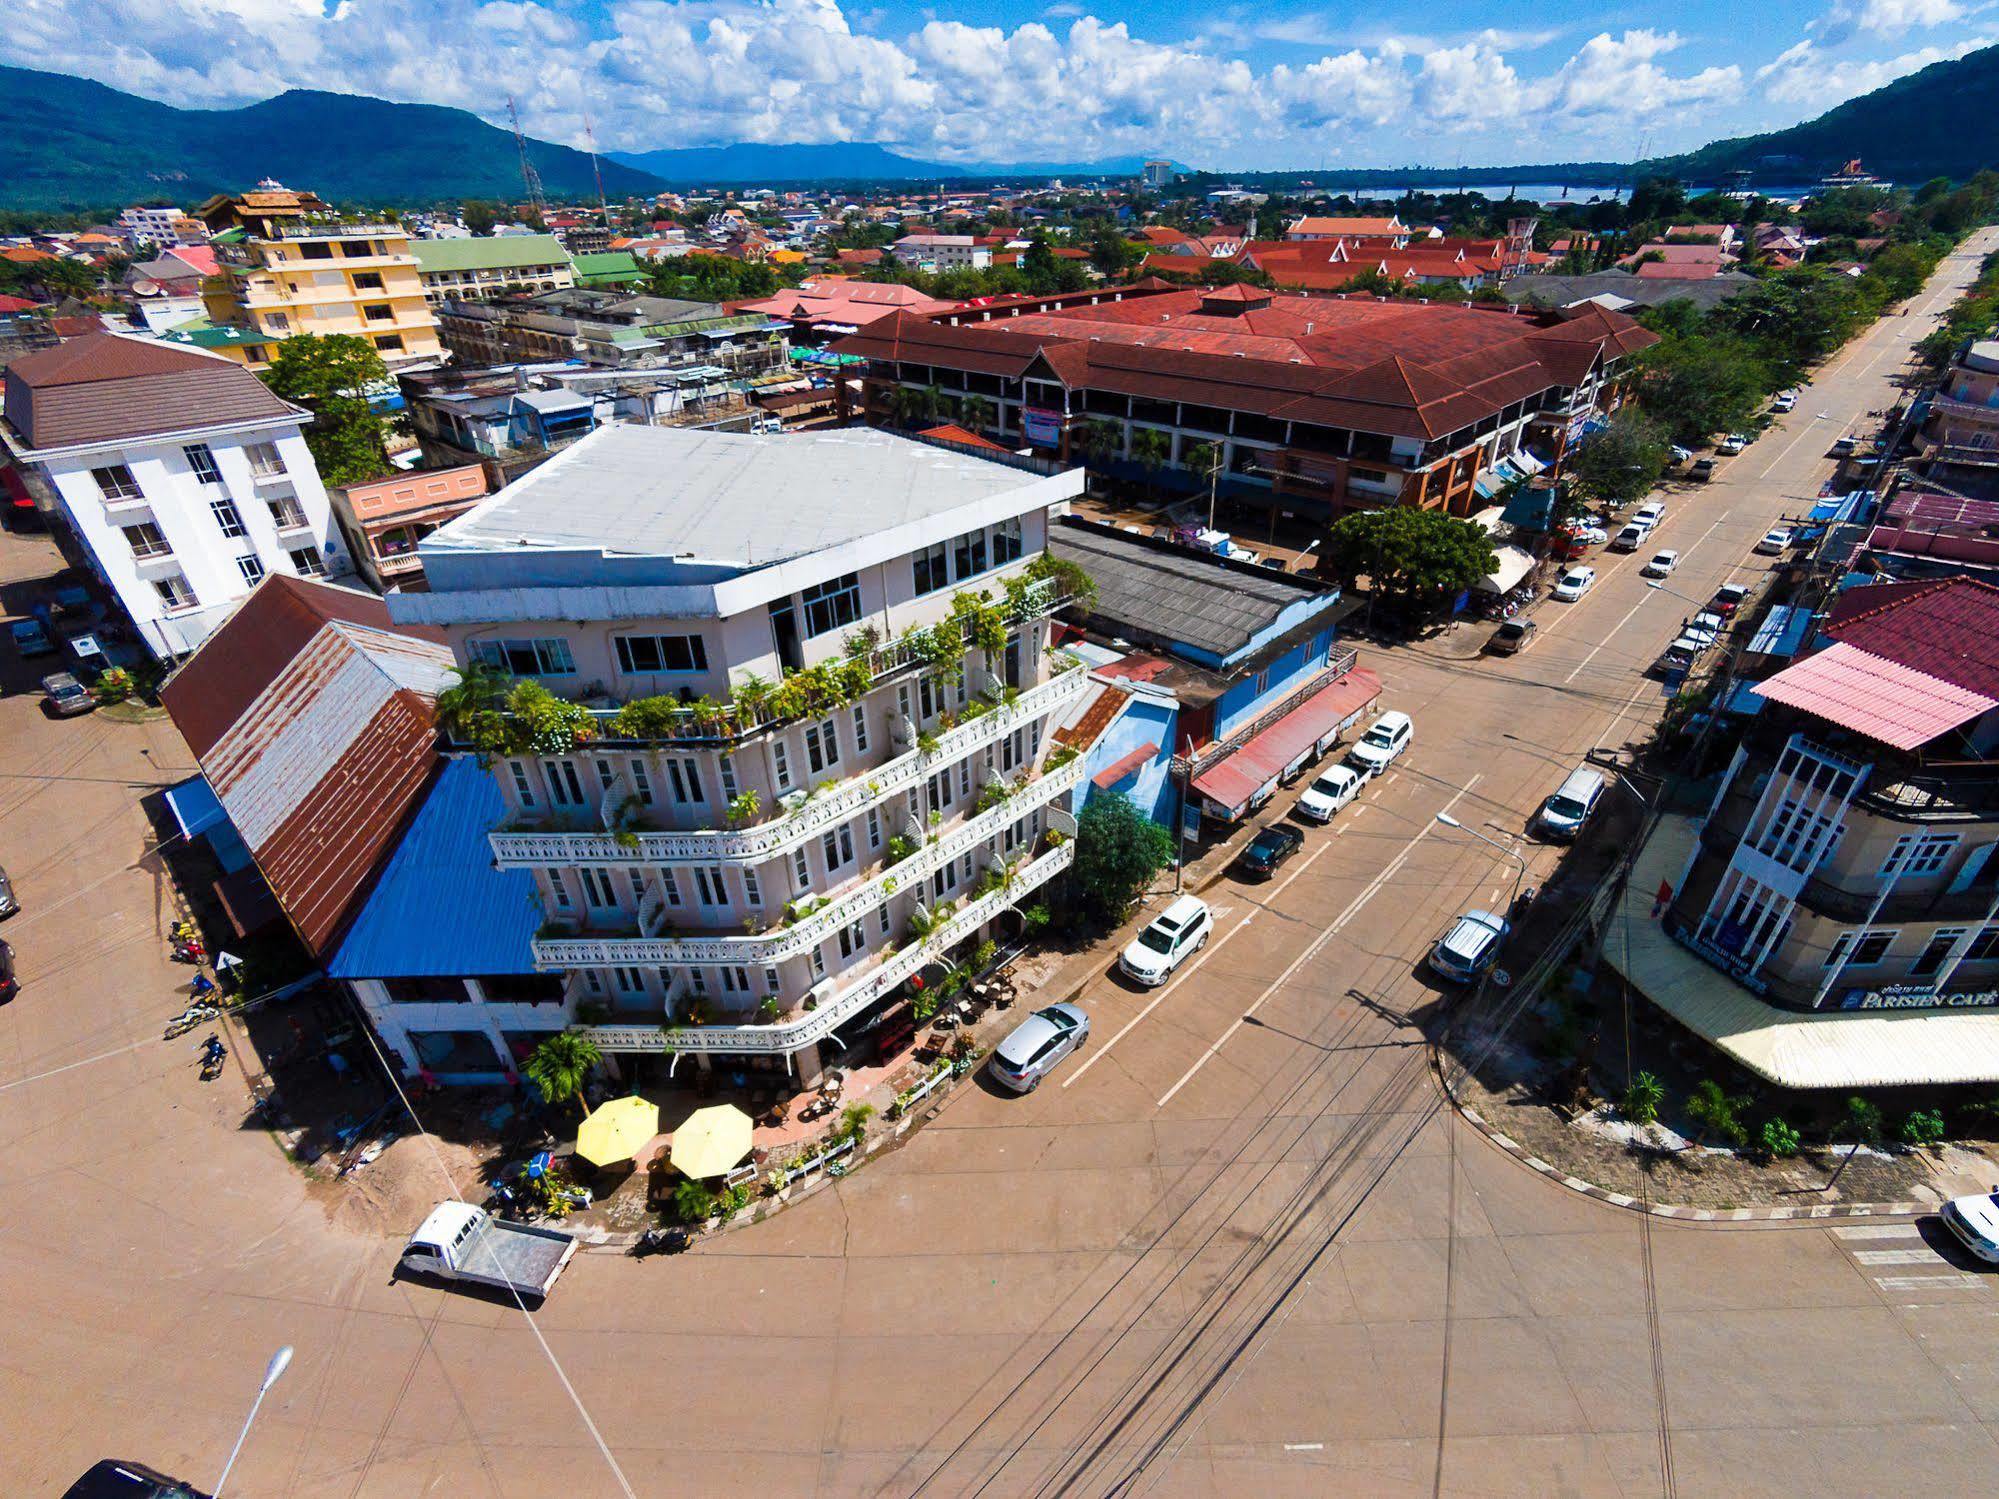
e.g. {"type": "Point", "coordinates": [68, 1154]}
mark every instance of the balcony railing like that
{"type": "Point", "coordinates": [817, 1024]}
{"type": "Point", "coordinates": [558, 953]}
{"type": "Point", "coordinates": [336, 229]}
{"type": "Point", "coordinates": [516, 850]}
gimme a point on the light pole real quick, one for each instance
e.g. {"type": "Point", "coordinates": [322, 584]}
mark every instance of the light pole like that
{"type": "Point", "coordinates": [277, 1366]}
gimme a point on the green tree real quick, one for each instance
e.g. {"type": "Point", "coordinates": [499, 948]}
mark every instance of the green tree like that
{"type": "Point", "coordinates": [1696, 385]}
{"type": "Point", "coordinates": [1101, 440]}
{"type": "Point", "coordinates": [1118, 852]}
{"type": "Point", "coordinates": [331, 376]}
{"type": "Point", "coordinates": [479, 215]}
{"type": "Point", "coordinates": [561, 1064]}
{"type": "Point", "coordinates": [1923, 1127]}
{"type": "Point", "coordinates": [480, 692]}
{"type": "Point", "coordinates": [1621, 462]}
{"type": "Point", "coordinates": [1778, 1139]}
{"type": "Point", "coordinates": [1861, 1123]}
{"type": "Point", "coordinates": [1409, 555]}
{"type": "Point", "coordinates": [64, 278]}
{"type": "Point", "coordinates": [977, 413]}
{"type": "Point", "coordinates": [1150, 448]}
{"type": "Point", "coordinates": [1718, 1112]}
{"type": "Point", "coordinates": [1039, 265]}
{"type": "Point", "coordinates": [1642, 1098]}
{"type": "Point", "coordinates": [693, 1202]}
{"type": "Point", "coordinates": [1111, 253]}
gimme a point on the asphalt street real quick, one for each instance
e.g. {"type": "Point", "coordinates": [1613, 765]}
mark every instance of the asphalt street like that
{"type": "Point", "coordinates": [1237, 1247]}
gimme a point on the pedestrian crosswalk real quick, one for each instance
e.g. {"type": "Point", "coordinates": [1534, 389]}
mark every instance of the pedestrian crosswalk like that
{"type": "Point", "coordinates": [1912, 1264]}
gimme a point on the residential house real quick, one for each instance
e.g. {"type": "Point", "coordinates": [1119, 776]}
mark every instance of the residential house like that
{"type": "Point", "coordinates": [1312, 227]}
{"type": "Point", "coordinates": [614, 330]}
{"type": "Point", "coordinates": [161, 228]}
{"type": "Point", "coordinates": [476, 268]}
{"type": "Point", "coordinates": [943, 252]}
{"type": "Point", "coordinates": [1963, 424]}
{"type": "Point", "coordinates": [766, 870]}
{"type": "Point", "coordinates": [384, 519]}
{"type": "Point", "coordinates": [831, 306]}
{"type": "Point", "coordinates": [165, 292]}
{"type": "Point", "coordinates": [289, 264]}
{"type": "Point", "coordinates": [177, 477]}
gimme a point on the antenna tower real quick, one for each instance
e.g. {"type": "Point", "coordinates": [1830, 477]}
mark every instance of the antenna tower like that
{"type": "Point", "coordinates": [530, 179]}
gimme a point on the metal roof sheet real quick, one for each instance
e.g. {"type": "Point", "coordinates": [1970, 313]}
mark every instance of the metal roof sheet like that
{"type": "Point", "coordinates": [1267, 755]}
{"type": "Point", "coordinates": [488, 253]}
{"type": "Point", "coordinates": [1885, 700]}
{"type": "Point", "coordinates": [440, 908]}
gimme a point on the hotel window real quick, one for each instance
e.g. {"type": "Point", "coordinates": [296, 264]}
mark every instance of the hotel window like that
{"type": "Point", "coordinates": [379, 312]}
{"type": "Point", "coordinates": [1007, 544]}
{"type": "Point", "coordinates": [932, 569]}
{"type": "Point", "coordinates": [801, 868]}
{"type": "Point", "coordinates": [1930, 959]}
{"type": "Point", "coordinates": [527, 658]}
{"type": "Point", "coordinates": [730, 790]}
{"type": "Point", "coordinates": [818, 964]}
{"type": "Point", "coordinates": [822, 745]}
{"type": "Point", "coordinates": [1984, 947]}
{"type": "Point", "coordinates": [226, 516]}
{"type": "Point", "coordinates": [307, 562]}
{"type": "Point", "coordinates": [565, 787]}
{"type": "Point", "coordinates": [605, 775]}
{"type": "Point", "coordinates": [881, 915]}
{"type": "Point", "coordinates": [708, 886]}
{"type": "Point", "coordinates": [669, 887]}
{"type": "Point", "coordinates": [697, 979]}
{"type": "Point", "coordinates": [367, 281]}
{"type": "Point", "coordinates": [654, 654]}
{"type": "Point", "coordinates": [860, 729]}
{"type": "Point", "coordinates": [642, 783]}
{"type": "Point", "coordinates": [560, 890]}
{"type": "Point", "coordinates": [638, 879]}
{"type": "Point", "coordinates": [146, 540]}
{"type": "Point", "coordinates": [523, 787]}
{"type": "Point", "coordinates": [202, 460]}
{"type": "Point", "coordinates": [832, 605]}
{"type": "Point", "coordinates": [265, 461]}
{"type": "Point", "coordinates": [115, 482]}
{"type": "Point", "coordinates": [1918, 854]}
{"type": "Point", "coordinates": [837, 847]}
{"type": "Point", "coordinates": [252, 569]}
{"type": "Point", "coordinates": [965, 776]}
{"type": "Point", "coordinates": [736, 980]}
{"type": "Point", "coordinates": [389, 343]}
{"type": "Point", "coordinates": [1860, 949]}
{"type": "Point", "coordinates": [780, 760]}
{"type": "Point", "coordinates": [853, 939]}
{"type": "Point", "coordinates": [174, 592]}
{"type": "Point", "coordinates": [968, 554]}
{"type": "Point", "coordinates": [287, 513]}
{"type": "Point", "coordinates": [874, 828]}
{"type": "Point", "coordinates": [772, 983]}
{"type": "Point", "coordinates": [683, 775]}
{"type": "Point", "coordinates": [752, 891]}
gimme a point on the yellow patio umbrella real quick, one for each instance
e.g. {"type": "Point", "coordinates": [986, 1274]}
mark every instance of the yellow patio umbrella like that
{"type": "Point", "coordinates": [617, 1131]}
{"type": "Point", "coordinates": [711, 1141]}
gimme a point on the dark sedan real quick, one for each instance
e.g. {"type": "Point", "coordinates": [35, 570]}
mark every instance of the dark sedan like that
{"type": "Point", "coordinates": [9, 905]}
{"type": "Point", "coordinates": [1268, 849]}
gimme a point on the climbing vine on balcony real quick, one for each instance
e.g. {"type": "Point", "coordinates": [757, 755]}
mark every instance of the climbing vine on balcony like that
{"type": "Point", "coordinates": [533, 720]}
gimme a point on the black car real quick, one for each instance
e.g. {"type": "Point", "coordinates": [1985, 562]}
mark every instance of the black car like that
{"type": "Point", "coordinates": [1268, 849]}
{"type": "Point", "coordinates": [122, 1480]}
{"type": "Point", "coordinates": [9, 906]}
{"type": "Point", "coordinates": [9, 985]}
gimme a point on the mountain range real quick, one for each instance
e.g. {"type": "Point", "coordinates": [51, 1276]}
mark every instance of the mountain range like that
{"type": "Point", "coordinates": [74, 144]}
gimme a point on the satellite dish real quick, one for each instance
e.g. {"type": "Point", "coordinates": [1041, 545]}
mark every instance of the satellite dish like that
{"type": "Point", "coordinates": [146, 288]}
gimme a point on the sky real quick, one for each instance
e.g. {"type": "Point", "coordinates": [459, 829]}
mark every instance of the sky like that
{"type": "Point", "coordinates": [1212, 83]}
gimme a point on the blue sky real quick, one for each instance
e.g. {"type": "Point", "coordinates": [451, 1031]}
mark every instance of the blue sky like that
{"type": "Point", "coordinates": [1213, 82]}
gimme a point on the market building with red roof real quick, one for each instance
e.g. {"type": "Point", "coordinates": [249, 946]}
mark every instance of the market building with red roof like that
{"type": "Point", "coordinates": [1316, 403]}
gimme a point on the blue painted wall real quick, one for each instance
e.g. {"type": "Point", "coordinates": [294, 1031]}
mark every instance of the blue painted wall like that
{"type": "Point", "coordinates": [1145, 721]}
{"type": "Point", "coordinates": [1285, 675]}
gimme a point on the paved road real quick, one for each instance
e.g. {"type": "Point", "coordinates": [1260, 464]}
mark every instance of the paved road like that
{"type": "Point", "coordinates": [1236, 1248]}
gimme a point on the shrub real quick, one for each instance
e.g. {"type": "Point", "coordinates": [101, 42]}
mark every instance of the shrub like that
{"type": "Point", "coordinates": [1923, 1127]}
{"type": "Point", "coordinates": [854, 1122]}
{"type": "Point", "coordinates": [1642, 1098]}
{"type": "Point", "coordinates": [114, 686]}
{"type": "Point", "coordinates": [1862, 1122]}
{"type": "Point", "coordinates": [1718, 1113]}
{"type": "Point", "coordinates": [1779, 1139]}
{"type": "Point", "coordinates": [693, 1202]}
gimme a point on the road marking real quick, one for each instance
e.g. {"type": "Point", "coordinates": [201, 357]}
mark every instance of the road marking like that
{"type": "Point", "coordinates": [1304, 1446]}
{"type": "Point", "coordinates": [1187, 973]}
{"type": "Point", "coordinates": [1313, 948]}
{"type": "Point", "coordinates": [1879, 1231]}
{"type": "Point", "coordinates": [1649, 592]}
{"type": "Point", "coordinates": [1924, 1256]}
{"type": "Point", "coordinates": [1957, 1282]}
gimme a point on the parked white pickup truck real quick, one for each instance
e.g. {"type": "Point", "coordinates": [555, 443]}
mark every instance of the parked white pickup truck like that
{"type": "Point", "coordinates": [460, 1242]}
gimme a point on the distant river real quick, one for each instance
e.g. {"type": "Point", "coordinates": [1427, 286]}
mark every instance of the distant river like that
{"type": "Point", "coordinates": [1543, 192]}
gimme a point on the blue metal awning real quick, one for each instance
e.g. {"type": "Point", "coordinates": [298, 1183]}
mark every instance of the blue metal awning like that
{"type": "Point", "coordinates": [195, 806]}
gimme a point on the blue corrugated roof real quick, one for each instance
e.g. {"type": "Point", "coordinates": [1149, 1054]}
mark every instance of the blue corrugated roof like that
{"type": "Point", "coordinates": [440, 909]}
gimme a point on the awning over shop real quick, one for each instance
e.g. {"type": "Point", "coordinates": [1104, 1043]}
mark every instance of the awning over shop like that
{"type": "Point", "coordinates": [1266, 756]}
{"type": "Point", "coordinates": [1825, 1049]}
{"type": "Point", "coordinates": [1783, 630]}
{"type": "Point", "coordinates": [195, 806]}
{"type": "Point", "coordinates": [1514, 564]}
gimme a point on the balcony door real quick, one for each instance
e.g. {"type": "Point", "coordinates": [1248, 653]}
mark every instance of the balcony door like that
{"type": "Point", "coordinates": [784, 634]}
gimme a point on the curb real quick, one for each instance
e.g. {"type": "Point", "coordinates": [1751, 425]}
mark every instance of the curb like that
{"type": "Point", "coordinates": [1822, 1210]}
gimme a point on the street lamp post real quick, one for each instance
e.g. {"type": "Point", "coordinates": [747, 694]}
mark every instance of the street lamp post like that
{"type": "Point", "coordinates": [277, 1366]}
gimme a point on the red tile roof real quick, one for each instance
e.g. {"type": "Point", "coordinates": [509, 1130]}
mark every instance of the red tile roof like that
{"type": "Point", "coordinates": [1387, 366]}
{"type": "Point", "coordinates": [105, 386]}
{"type": "Point", "coordinates": [962, 436]}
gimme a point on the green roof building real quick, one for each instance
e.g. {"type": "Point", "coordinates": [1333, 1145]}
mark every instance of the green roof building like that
{"type": "Point", "coordinates": [610, 268]}
{"type": "Point", "coordinates": [478, 267]}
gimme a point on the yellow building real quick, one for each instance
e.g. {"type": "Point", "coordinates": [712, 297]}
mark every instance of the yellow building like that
{"type": "Point", "coordinates": [287, 263]}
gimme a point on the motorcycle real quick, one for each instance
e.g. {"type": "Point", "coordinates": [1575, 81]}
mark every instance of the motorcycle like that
{"type": "Point", "coordinates": [190, 950]}
{"type": "Point", "coordinates": [212, 1054]}
{"type": "Point", "coordinates": [198, 1013]}
{"type": "Point", "coordinates": [660, 1241]}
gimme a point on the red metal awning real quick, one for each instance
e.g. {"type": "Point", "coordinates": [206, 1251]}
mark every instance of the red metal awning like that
{"type": "Point", "coordinates": [1265, 757]}
{"type": "Point", "coordinates": [1118, 770]}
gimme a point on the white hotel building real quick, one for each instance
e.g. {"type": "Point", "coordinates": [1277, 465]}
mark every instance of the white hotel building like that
{"type": "Point", "coordinates": [753, 887]}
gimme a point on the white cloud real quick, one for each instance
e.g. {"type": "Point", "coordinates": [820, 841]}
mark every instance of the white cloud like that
{"type": "Point", "coordinates": [1805, 75]}
{"type": "Point", "coordinates": [685, 72]}
{"type": "Point", "coordinates": [1888, 17]}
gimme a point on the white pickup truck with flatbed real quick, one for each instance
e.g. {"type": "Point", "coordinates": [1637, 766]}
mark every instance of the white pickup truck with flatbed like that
{"type": "Point", "coordinates": [463, 1243]}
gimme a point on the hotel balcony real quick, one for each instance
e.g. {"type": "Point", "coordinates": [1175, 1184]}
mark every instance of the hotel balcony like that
{"type": "Point", "coordinates": [839, 1005]}
{"type": "Point", "coordinates": [804, 820]}
{"type": "Point", "coordinates": [655, 947]}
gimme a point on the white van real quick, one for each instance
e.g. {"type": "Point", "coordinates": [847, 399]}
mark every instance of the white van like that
{"type": "Point", "coordinates": [1563, 814]}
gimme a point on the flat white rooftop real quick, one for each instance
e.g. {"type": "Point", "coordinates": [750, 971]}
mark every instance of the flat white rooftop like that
{"type": "Point", "coordinates": [726, 497]}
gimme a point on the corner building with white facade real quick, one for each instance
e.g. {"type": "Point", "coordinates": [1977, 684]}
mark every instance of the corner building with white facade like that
{"type": "Point", "coordinates": [782, 794]}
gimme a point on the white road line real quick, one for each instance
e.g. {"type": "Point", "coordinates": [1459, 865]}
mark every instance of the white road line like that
{"type": "Point", "coordinates": [1188, 972]}
{"type": "Point", "coordinates": [1924, 1256]}
{"type": "Point", "coordinates": [1957, 1282]}
{"type": "Point", "coordinates": [1312, 950]}
{"type": "Point", "coordinates": [1304, 1446]}
{"type": "Point", "coordinates": [1879, 1231]}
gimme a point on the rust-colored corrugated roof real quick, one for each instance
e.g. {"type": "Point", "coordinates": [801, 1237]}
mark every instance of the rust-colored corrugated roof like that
{"type": "Point", "coordinates": [311, 717]}
{"type": "Point", "coordinates": [105, 386]}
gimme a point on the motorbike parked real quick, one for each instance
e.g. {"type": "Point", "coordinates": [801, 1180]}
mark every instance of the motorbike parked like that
{"type": "Point", "coordinates": [660, 1241]}
{"type": "Point", "coordinates": [212, 1054]}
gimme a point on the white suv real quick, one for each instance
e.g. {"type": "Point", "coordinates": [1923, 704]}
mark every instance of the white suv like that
{"type": "Point", "coordinates": [1387, 737]}
{"type": "Point", "coordinates": [1160, 948]}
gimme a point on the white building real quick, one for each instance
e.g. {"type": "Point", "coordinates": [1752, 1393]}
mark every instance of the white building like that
{"type": "Point", "coordinates": [180, 479]}
{"type": "Point", "coordinates": [776, 800]}
{"type": "Point", "coordinates": [162, 228]}
{"type": "Point", "coordinates": [943, 252]}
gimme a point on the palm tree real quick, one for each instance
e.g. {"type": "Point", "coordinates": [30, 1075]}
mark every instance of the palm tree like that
{"type": "Point", "coordinates": [909, 406]}
{"type": "Point", "coordinates": [480, 688]}
{"type": "Point", "coordinates": [561, 1064]}
{"type": "Point", "coordinates": [1151, 448]}
{"type": "Point", "coordinates": [1200, 459]}
{"type": "Point", "coordinates": [976, 412]}
{"type": "Point", "coordinates": [1100, 440]}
